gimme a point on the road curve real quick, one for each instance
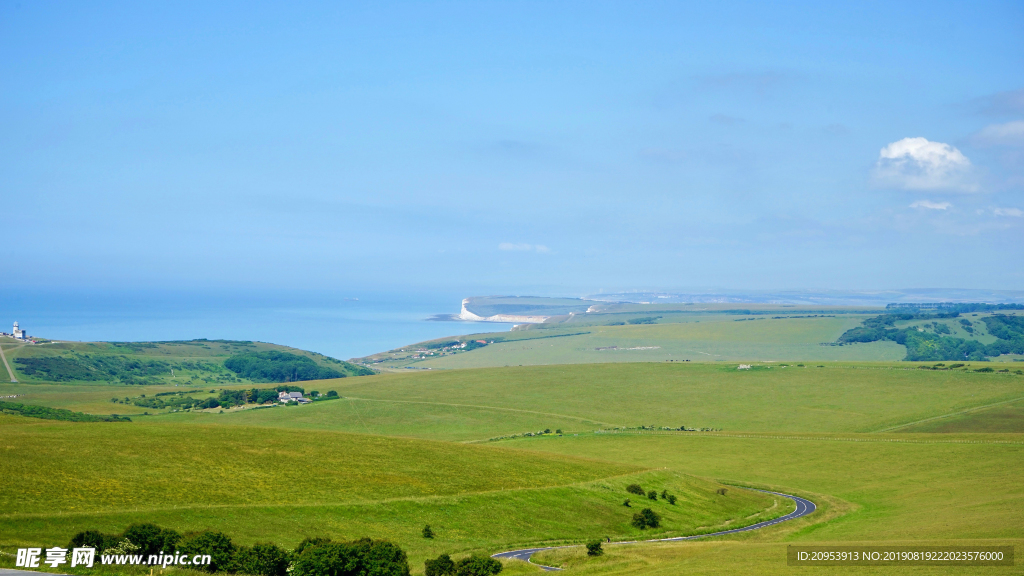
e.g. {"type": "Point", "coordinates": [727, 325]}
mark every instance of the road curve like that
{"type": "Point", "coordinates": [803, 508]}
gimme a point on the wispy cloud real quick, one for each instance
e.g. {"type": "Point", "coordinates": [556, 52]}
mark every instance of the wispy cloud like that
{"type": "Point", "coordinates": [1008, 134]}
{"type": "Point", "coordinates": [513, 247]}
{"type": "Point", "coordinates": [1013, 212]}
{"type": "Point", "coordinates": [929, 205]}
{"type": "Point", "coordinates": [920, 164]}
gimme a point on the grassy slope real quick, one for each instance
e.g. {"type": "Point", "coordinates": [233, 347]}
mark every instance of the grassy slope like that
{"type": "Point", "coordinates": [262, 484]}
{"type": "Point", "coordinates": [696, 338]}
{"type": "Point", "coordinates": [470, 405]}
{"type": "Point", "coordinates": [1003, 418]}
{"type": "Point", "coordinates": [900, 491]}
{"type": "Point", "coordinates": [836, 398]}
{"type": "Point", "coordinates": [875, 489]}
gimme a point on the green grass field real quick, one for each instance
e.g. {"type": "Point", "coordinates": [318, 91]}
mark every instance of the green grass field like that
{"type": "Point", "coordinates": [402, 450]}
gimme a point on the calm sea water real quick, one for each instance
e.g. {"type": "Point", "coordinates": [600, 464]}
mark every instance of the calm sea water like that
{"type": "Point", "coordinates": [342, 326]}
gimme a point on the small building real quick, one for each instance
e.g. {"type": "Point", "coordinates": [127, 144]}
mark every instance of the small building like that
{"type": "Point", "coordinates": [19, 333]}
{"type": "Point", "coordinates": [291, 397]}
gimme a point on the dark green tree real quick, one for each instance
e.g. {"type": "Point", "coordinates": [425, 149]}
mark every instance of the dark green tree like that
{"type": "Point", "coordinates": [594, 548]}
{"type": "Point", "coordinates": [215, 544]}
{"type": "Point", "coordinates": [477, 566]}
{"type": "Point", "coordinates": [440, 566]}
{"type": "Point", "coordinates": [646, 518]}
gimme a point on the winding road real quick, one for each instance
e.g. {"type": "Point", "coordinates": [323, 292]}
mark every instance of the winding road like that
{"type": "Point", "coordinates": [803, 508]}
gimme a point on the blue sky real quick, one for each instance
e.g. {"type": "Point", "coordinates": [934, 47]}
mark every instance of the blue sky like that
{"type": "Point", "coordinates": [503, 147]}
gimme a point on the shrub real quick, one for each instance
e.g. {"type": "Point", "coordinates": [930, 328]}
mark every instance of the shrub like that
{"type": "Point", "coordinates": [626, 503]}
{"type": "Point", "coordinates": [635, 489]}
{"type": "Point", "coordinates": [262, 560]}
{"type": "Point", "coordinates": [362, 557]}
{"type": "Point", "coordinates": [215, 544]}
{"type": "Point", "coordinates": [93, 539]}
{"type": "Point", "coordinates": [440, 566]}
{"type": "Point", "coordinates": [594, 548]}
{"type": "Point", "coordinates": [427, 532]}
{"type": "Point", "coordinates": [652, 495]}
{"type": "Point", "coordinates": [310, 541]}
{"type": "Point", "coordinates": [151, 539]}
{"type": "Point", "coordinates": [664, 494]}
{"type": "Point", "coordinates": [332, 393]}
{"type": "Point", "coordinates": [646, 518]}
{"type": "Point", "coordinates": [477, 566]}
{"type": "Point", "coordinates": [672, 499]}
{"type": "Point", "coordinates": [722, 491]}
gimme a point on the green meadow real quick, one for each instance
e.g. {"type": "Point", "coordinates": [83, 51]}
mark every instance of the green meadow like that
{"type": "Point", "coordinates": [890, 452]}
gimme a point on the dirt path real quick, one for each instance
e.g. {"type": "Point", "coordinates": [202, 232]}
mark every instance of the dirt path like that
{"type": "Point", "coordinates": [8, 366]}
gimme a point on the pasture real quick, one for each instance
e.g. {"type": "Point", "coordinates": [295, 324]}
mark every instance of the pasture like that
{"type": "Point", "coordinates": [398, 451]}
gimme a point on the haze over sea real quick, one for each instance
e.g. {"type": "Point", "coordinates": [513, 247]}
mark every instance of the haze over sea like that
{"type": "Point", "coordinates": [339, 325]}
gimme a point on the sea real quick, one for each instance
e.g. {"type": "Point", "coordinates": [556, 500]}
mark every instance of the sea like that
{"type": "Point", "coordinates": [342, 325]}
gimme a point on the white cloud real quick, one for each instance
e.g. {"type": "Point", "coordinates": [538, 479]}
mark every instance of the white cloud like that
{"type": "Point", "coordinates": [928, 204]}
{"type": "Point", "coordinates": [511, 247]}
{"type": "Point", "coordinates": [1008, 134]}
{"type": "Point", "coordinates": [920, 164]}
{"type": "Point", "coordinates": [1015, 212]}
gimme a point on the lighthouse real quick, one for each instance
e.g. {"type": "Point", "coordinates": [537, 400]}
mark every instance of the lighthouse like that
{"type": "Point", "coordinates": [18, 332]}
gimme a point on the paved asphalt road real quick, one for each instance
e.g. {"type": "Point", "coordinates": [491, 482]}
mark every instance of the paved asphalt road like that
{"type": "Point", "coordinates": [803, 508]}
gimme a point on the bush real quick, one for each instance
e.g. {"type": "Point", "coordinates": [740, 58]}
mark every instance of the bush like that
{"type": "Point", "coordinates": [362, 557]}
{"type": "Point", "coordinates": [151, 539]}
{"type": "Point", "coordinates": [646, 518]}
{"type": "Point", "coordinates": [626, 503]}
{"type": "Point", "coordinates": [664, 494]}
{"type": "Point", "coordinates": [477, 566]}
{"type": "Point", "coordinates": [262, 560]}
{"type": "Point", "coordinates": [652, 495]}
{"type": "Point", "coordinates": [440, 566]}
{"type": "Point", "coordinates": [215, 544]}
{"type": "Point", "coordinates": [594, 548]}
{"type": "Point", "coordinates": [635, 489]}
{"type": "Point", "coordinates": [427, 532]}
{"type": "Point", "coordinates": [310, 541]}
{"type": "Point", "coordinates": [672, 499]}
{"type": "Point", "coordinates": [332, 393]}
{"type": "Point", "coordinates": [93, 539]}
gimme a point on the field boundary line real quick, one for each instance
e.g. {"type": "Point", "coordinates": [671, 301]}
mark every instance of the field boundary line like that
{"type": "Point", "coordinates": [951, 414]}
{"type": "Point", "coordinates": [814, 438]}
{"type": "Point", "coordinates": [580, 418]}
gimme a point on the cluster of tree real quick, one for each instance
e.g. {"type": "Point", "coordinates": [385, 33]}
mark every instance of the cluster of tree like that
{"type": "Point", "coordinates": [443, 565]}
{"type": "Point", "coordinates": [312, 557]}
{"type": "Point", "coordinates": [14, 408]}
{"type": "Point", "coordinates": [175, 402]}
{"type": "Point", "coordinates": [254, 395]}
{"type": "Point", "coordinates": [650, 494]}
{"type": "Point", "coordinates": [646, 518]}
{"type": "Point", "coordinates": [92, 367]}
{"type": "Point", "coordinates": [594, 548]}
{"type": "Point", "coordinates": [927, 346]}
{"type": "Point", "coordinates": [276, 366]}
